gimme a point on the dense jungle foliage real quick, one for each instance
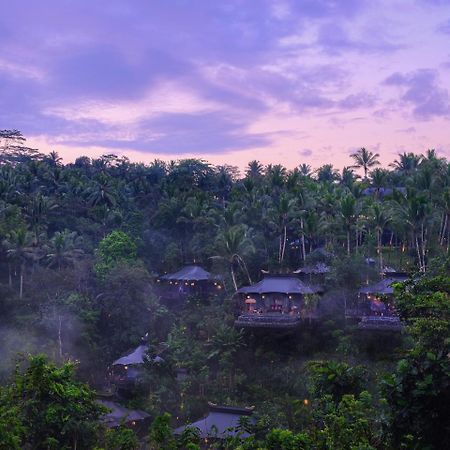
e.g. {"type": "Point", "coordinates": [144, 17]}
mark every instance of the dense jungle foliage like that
{"type": "Point", "coordinates": [81, 244]}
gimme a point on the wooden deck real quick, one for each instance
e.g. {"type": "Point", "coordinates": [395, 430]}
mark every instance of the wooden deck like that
{"type": "Point", "coordinates": [380, 323]}
{"type": "Point", "coordinates": [267, 321]}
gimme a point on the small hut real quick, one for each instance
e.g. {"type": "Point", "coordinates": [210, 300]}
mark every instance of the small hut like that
{"type": "Point", "coordinates": [277, 301]}
{"type": "Point", "coordinates": [190, 280]}
{"type": "Point", "coordinates": [375, 306]}
{"type": "Point", "coordinates": [119, 415]}
{"type": "Point", "coordinates": [128, 368]}
{"type": "Point", "coordinates": [221, 422]}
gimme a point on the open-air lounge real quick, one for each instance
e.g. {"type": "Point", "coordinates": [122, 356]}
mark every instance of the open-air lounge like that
{"type": "Point", "coordinates": [277, 301]}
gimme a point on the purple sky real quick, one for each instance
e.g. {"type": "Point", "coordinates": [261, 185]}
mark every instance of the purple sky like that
{"type": "Point", "coordinates": [290, 82]}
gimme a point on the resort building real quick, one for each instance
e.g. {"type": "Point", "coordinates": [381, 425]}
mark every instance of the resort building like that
{"type": "Point", "coordinates": [277, 301]}
{"type": "Point", "coordinates": [220, 423]}
{"type": "Point", "coordinates": [189, 281]}
{"type": "Point", "coordinates": [374, 307]}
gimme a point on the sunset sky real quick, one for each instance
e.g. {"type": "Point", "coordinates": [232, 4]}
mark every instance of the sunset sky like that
{"type": "Point", "coordinates": [289, 82]}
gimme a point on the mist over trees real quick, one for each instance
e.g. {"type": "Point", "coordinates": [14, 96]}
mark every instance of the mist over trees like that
{"type": "Point", "coordinates": [82, 242]}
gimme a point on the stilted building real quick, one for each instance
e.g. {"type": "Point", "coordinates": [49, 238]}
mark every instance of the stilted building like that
{"type": "Point", "coordinates": [374, 307]}
{"type": "Point", "coordinates": [277, 301]}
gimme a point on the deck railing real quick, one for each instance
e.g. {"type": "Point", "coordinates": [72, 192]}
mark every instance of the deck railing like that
{"type": "Point", "coordinates": [388, 323]}
{"type": "Point", "coordinates": [267, 321]}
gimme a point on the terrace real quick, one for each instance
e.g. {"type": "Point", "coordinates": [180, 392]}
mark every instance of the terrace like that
{"type": "Point", "coordinates": [278, 301]}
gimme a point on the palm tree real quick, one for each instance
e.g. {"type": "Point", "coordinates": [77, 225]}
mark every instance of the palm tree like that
{"type": "Point", "coordinates": [327, 174]}
{"type": "Point", "coordinates": [254, 169]}
{"type": "Point", "coordinates": [365, 159]}
{"type": "Point", "coordinates": [407, 163]}
{"type": "Point", "coordinates": [19, 249]}
{"type": "Point", "coordinates": [232, 245]}
{"type": "Point", "coordinates": [378, 181]}
{"type": "Point", "coordinates": [415, 211]}
{"type": "Point", "coordinates": [64, 249]}
{"type": "Point", "coordinates": [348, 214]}
{"type": "Point", "coordinates": [379, 219]}
{"type": "Point", "coordinates": [305, 170]}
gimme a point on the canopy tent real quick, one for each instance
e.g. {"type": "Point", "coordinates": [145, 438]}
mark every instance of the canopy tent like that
{"type": "Point", "coordinates": [135, 357]}
{"type": "Point", "coordinates": [119, 414]}
{"type": "Point", "coordinates": [281, 284]}
{"type": "Point", "coordinates": [190, 273]}
{"type": "Point", "coordinates": [220, 423]}
{"type": "Point", "coordinates": [383, 287]}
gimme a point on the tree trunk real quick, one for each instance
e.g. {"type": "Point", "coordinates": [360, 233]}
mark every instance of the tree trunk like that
{"type": "Point", "coordinates": [21, 282]}
{"type": "Point", "coordinates": [9, 275]}
{"type": "Point", "coordinates": [303, 239]}
{"type": "Point", "coordinates": [284, 243]}
{"type": "Point", "coordinates": [60, 338]}
{"type": "Point", "coordinates": [348, 242]}
{"type": "Point", "coordinates": [233, 276]}
{"type": "Point", "coordinates": [380, 254]}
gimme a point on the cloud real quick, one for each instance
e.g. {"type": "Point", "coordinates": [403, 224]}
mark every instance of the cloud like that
{"type": "Point", "coordinates": [421, 90]}
{"type": "Point", "coordinates": [408, 130]}
{"type": "Point", "coordinates": [305, 152]}
{"type": "Point", "coordinates": [354, 101]}
{"type": "Point", "coordinates": [444, 27]}
{"type": "Point", "coordinates": [181, 134]}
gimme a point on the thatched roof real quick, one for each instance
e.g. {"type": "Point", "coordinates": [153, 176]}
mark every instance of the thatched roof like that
{"type": "Point", "coordinates": [220, 423]}
{"type": "Point", "coordinates": [135, 357]}
{"type": "Point", "coordinates": [190, 273]}
{"type": "Point", "coordinates": [120, 414]}
{"type": "Point", "coordinates": [281, 284]}
{"type": "Point", "coordinates": [383, 287]}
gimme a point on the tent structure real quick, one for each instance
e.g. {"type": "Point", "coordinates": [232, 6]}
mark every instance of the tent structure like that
{"type": "Point", "coordinates": [135, 357]}
{"type": "Point", "coordinates": [119, 414]}
{"type": "Point", "coordinates": [220, 423]}
{"type": "Point", "coordinates": [188, 281]}
{"type": "Point", "coordinates": [128, 368]}
{"type": "Point", "coordinates": [383, 287]}
{"type": "Point", "coordinates": [277, 301]}
{"type": "Point", "coordinates": [190, 273]}
{"type": "Point", "coordinates": [279, 284]}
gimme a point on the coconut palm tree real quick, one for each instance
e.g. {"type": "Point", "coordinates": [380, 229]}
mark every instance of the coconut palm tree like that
{"type": "Point", "coordinates": [233, 245]}
{"type": "Point", "coordinates": [407, 163]}
{"type": "Point", "coordinates": [379, 218]}
{"type": "Point", "coordinates": [19, 249]}
{"type": "Point", "coordinates": [254, 169]}
{"type": "Point", "coordinates": [64, 249]}
{"type": "Point", "coordinates": [365, 159]}
{"type": "Point", "coordinates": [348, 215]}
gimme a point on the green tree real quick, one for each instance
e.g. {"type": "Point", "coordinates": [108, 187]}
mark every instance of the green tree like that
{"type": "Point", "coordinates": [55, 410]}
{"type": "Point", "coordinates": [115, 249]}
{"type": "Point", "coordinates": [418, 392]}
{"type": "Point", "coordinates": [365, 159]}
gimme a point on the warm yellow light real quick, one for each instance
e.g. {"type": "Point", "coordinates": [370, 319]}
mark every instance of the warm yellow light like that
{"type": "Point", "coordinates": [306, 402]}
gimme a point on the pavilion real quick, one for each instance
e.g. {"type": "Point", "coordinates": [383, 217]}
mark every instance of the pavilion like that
{"type": "Point", "coordinates": [190, 280]}
{"type": "Point", "coordinates": [119, 415]}
{"type": "Point", "coordinates": [374, 306]}
{"type": "Point", "coordinates": [128, 368]}
{"type": "Point", "coordinates": [221, 422]}
{"type": "Point", "coordinates": [277, 301]}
